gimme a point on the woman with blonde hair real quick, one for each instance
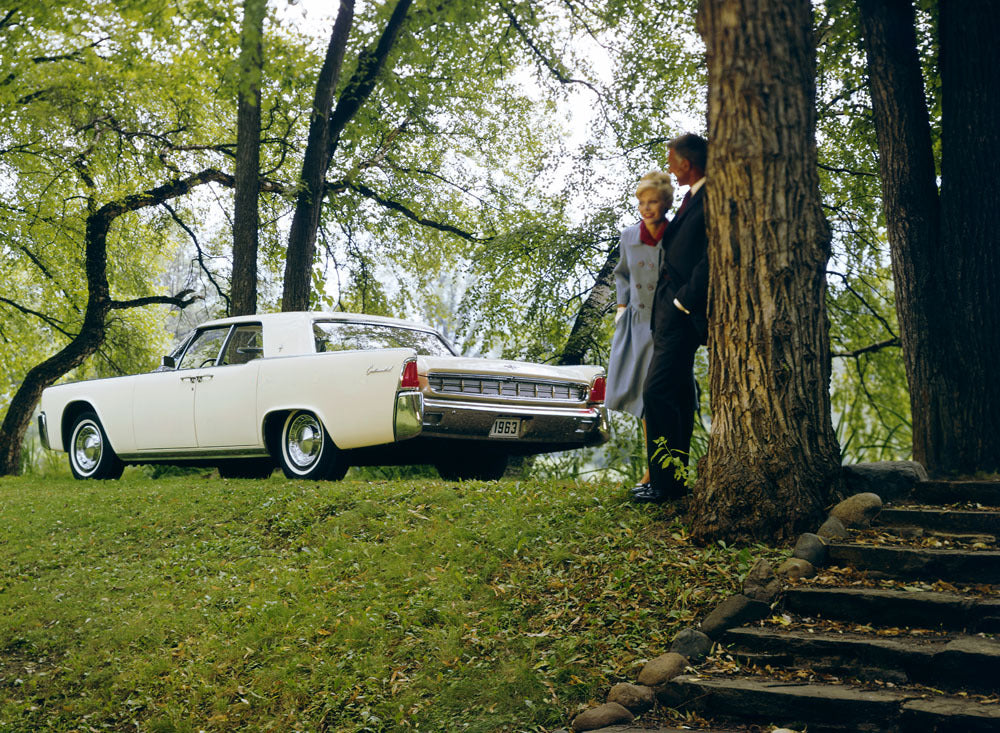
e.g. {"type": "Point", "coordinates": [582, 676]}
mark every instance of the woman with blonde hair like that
{"type": "Point", "coordinates": [635, 282]}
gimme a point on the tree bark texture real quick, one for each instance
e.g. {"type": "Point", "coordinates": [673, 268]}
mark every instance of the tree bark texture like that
{"type": "Point", "coordinates": [968, 432]}
{"type": "Point", "coordinates": [945, 260]}
{"type": "Point", "coordinates": [246, 214]}
{"type": "Point", "coordinates": [315, 163]}
{"type": "Point", "coordinates": [582, 336]}
{"type": "Point", "coordinates": [773, 457]}
{"type": "Point", "coordinates": [99, 306]}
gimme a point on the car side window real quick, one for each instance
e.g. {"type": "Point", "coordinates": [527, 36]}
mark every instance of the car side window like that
{"type": "Point", "coordinates": [246, 344]}
{"type": "Point", "coordinates": [204, 349]}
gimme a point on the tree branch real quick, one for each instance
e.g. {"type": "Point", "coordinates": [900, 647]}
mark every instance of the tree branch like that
{"type": "Point", "coordinates": [410, 214]}
{"type": "Point", "coordinates": [201, 255]}
{"type": "Point", "coordinates": [856, 294]}
{"type": "Point", "coordinates": [894, 341]}
{"type": "Point", "coordinates": [559, 76]}
{"type": "Point", "coordinates": [181, 300]}
{"type": "Point", "coordinates": [53, 323]}
{"type": "Point", "coordinates": [362, 82]}
{"type": "Point", "coordinates": [849, 171]}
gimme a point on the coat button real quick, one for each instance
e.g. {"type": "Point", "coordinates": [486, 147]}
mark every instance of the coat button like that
{"type": "Point", "coordinates": [641, 263]}
{"type": "Point", "coordinates": [650, 287]}
{"type": "Point", "coordinates": [642, 305]}
{"type": "Point", "coordinates": [638, 286]}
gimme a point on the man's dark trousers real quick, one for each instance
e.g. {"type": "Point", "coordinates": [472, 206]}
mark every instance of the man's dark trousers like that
{"type": "Point", "coordinates": [669, 396]}
{"type": "Point", "coordinates": [669, 392]}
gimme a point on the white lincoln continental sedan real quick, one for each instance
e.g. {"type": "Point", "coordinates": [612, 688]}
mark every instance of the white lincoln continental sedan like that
{"type": "Point", "coordinates": [318, 392]}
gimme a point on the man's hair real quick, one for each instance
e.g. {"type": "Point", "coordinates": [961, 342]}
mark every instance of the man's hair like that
{"type": "Point", "coordinates": [693, 148]}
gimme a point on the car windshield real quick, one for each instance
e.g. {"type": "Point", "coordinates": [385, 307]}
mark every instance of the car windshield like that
{"type": "Point", "coordinates": [351, 336]}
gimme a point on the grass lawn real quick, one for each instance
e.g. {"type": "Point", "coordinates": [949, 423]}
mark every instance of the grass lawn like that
{"type": "Point", "coordinates": [192, 603]}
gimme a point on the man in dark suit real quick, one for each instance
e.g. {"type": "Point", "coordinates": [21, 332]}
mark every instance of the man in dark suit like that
{"type": "Point", "coordinates": [679, 324]}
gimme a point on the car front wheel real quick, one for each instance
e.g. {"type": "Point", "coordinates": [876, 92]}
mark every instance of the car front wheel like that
{"type": "Point", "coordinates": [307, 450]}
{"type": "Point", "coordinates": [90, 453]}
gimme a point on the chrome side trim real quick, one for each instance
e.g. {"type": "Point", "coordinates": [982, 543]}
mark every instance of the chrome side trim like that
{"type": "Point", "coordinates": [43, 431]}
{"type": "Point", "coordinates": [193, 453]}
{"type": "Point", "coordinates": [409, 416]}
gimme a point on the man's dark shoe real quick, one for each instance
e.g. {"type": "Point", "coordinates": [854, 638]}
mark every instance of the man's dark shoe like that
{"type": "Point", "coordinates": [645, 493]}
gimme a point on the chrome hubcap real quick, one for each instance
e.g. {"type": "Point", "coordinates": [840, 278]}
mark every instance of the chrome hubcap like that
{"type": "Point", "coordinates": [304, 441]}
{"type": "Point", "coordinates": [87, 447]}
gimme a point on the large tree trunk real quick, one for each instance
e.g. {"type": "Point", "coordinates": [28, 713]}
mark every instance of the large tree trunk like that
{"type": "Point", "coordinates": [246, 215]}
{"type": "Point", "coordinates": [945, 259]}
{"type": "Point", "coordinates": [968, 362]}
{"type": "Point", "coordinates": [773, 458]}
{"type": "Point", "coordinates": [315, 162]}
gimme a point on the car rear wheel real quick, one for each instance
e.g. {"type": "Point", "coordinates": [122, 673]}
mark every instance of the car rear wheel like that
{"type": "Point", "coordinates": [473, 466]}
{"type": "Point", "coordinates": [307, 450]}
{"type": "Point", "coordinates": [90, 453]}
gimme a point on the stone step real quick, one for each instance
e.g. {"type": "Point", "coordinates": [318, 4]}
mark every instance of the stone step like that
{"type": "Point", "coordinates": [954, 566]}
{"type": "Point", "coordinates": [957, 540]}
{"type": "Point", "coordinates": [954, 663]}
{"type": "Point", "coordinates": [827, 708]}
{"type": "Point", "coordinates": [900, 608]}
{"type": "Point", "coordinates": [942, 520]}
{"type": "Point", "coordinates": [986, 493]}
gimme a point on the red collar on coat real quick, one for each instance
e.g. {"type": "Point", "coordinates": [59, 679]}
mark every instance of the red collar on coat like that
{"type": "Point", "coordinates": [651, 239]}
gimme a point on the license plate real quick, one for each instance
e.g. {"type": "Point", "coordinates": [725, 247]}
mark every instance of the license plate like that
{"type": "Point", "coordinates": [506, 427]}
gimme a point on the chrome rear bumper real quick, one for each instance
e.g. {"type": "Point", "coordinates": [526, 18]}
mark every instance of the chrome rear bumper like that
{"type": "Point", "coordinates": [566, 426]}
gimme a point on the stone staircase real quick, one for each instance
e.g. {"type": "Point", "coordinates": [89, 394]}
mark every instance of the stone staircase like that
{"type": "Point", "coordinates": [894, 633]}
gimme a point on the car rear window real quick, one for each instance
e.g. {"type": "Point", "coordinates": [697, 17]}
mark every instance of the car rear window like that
{"type": "Point", "coordinates": [351, 336]}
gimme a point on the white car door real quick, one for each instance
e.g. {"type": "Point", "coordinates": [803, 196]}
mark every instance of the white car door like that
{"type": "Point", "coordinates": [163, 406]}
{"type": "Point", "coordinates": [163, 411]}
{"type": "Point", "coordinates": [225, 403]}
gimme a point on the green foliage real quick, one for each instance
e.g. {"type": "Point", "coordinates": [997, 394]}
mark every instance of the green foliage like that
{"type": "Point", "coordinates": [200, 604]}
{"type": "Point", "coordinates": [869, 391]}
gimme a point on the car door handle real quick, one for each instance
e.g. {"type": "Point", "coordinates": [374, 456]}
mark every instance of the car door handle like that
{"type": "Point", "coordinates": [189, 379]}
{"type": "Point", "coordinates": [203, 377]}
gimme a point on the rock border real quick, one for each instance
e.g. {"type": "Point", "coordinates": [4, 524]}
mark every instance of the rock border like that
{"type": "Point", "coordinates": [761, 590]}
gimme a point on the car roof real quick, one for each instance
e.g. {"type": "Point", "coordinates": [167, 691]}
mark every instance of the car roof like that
{"type": "Point", "coordinates": [295, 316]}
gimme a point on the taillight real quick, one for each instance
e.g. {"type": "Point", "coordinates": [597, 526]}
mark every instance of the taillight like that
{"type": "Point", "coordinates": [597, 390]}
{"type": "Point", "coordinates": [409, 379]}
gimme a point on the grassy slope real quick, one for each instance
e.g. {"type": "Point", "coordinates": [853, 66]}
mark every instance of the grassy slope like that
{"type": "Point", "coordinates": [192, 603]}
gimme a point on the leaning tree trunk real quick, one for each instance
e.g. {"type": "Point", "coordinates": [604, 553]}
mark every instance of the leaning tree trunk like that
{"type": "Point", "coordinates": [583, 335]}
{"type": "Point", "coordinates": [302, 241]}
{"type": "Point", "coordinates": [967, 361]}
{"type": "Point", "coordinates": [99, 305]}
{"type": "Point", "coordinates": [772, 456]}
{"type": "Point", "coordinates": [315, 162]}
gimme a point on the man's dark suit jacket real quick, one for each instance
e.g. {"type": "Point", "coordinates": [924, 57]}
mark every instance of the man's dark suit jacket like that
{"type": "Point", "coordinates": [684, 267]}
